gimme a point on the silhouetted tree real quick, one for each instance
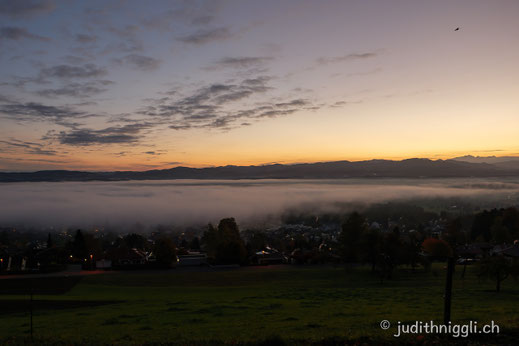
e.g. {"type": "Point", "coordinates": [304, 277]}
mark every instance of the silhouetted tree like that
{"type": "Point", "coordinates": [349, 238]}
{"type": "Point", "coordinates": [50, 244]}
{"type": "Point", "coordinates": [437, 248]}
{"type": "Point", "coordinates": [453, 234]}
{"type": "Point", "coordinates": [370, 247]}
{"type": "Point", "coordinates": [511, 221]}
{"type": "Point", "coordinates": [500, 233]}
{"type": "Point", "coordinates": [482, 225]}
{"type": "Point", "coordinates": [195, 244]}
{"type": "Point", "coordinates": [496, 268]}
{"type": "Point", "coordinates": [137, 241]}
{"type": "Point", "coordinates": [165, 252]}
{"type": "Point", "coordinates": [257, 241]}
{"type": "Point", "coordinates": [389, 257]}
{"type": "Point", "coordinates": [498, 225]}
{"type": "Point", "coordinates": [411, 248]}
{"type": "Point", "coordinates": [224, 243]}
{"type": "Point", "coordinates": [4, 238]}
{"type": "Point", "coordinates": [79, 248]}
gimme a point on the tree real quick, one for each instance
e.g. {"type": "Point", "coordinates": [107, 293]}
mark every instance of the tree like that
{"type": "Point", "coordinates": [50, 244]}
{"type": "Point", "coordinates": [496, 268]}
{"type": "Point", "coordinates": [499, 231]}
{"type": "Point", "coordinates": [481, 226]}
{"type": "Point", "coordinates": [437, 248]}
{"type": "Point", "coordinates": [391, 248]}
{"type": "Point", "coordinates": [349, 238]}
{"type": "Point", "coordinates": [165, 252]}
{"type": "Point", "coordinates": [195, 244]}
{"type": "Point", "coordinates": [210, 240]}
{"type": "Point", "coordinates": [79, 248]}
{"type": "Point", "coordinates": [511, 221]}
{"type": "Point", "coordinates": [137, 241]}
{"type": "Point", "coordinates": [411, 249]}
{"type": "Point", "coordinates": [499, 225]}
{"type": "Point", "coordinates": [453, 234]}
{"type": "Point", "coordinates": [370, 247]}
{"type": "Point", "coordinates": [257, 241]}
{"type": "Point", "coordinates": [224, 244]}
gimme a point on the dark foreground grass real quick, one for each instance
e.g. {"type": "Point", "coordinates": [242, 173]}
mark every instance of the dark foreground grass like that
{"type": "Point", "coordinates": [259, 305]}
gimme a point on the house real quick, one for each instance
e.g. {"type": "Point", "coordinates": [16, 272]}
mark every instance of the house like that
{"type": "Point", "coordinates": [123, 258]}
{"type": "Point", "coordinates": [103, 264]}
{"type": "Point", "coordinates": [268, 256]}
{"type": "Point", "coordinates": [512, 251]}
{"type": "Point", "coordinates": [192, 258]}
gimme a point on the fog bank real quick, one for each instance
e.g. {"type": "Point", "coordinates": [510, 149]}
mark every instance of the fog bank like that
{"type": "Point", "coordinates": [191, 202]}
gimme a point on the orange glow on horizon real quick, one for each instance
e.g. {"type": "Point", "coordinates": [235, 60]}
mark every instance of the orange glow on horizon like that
{"type": "Point", "coordinates": [104, 163]}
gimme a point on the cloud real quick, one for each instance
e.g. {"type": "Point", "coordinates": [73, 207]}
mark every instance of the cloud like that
{"type": "Point", "coordinates": [180, 127]}
{"type": "Point", "coordinates": [84, 38]}
{"type": "Point", "coordinates": [185, 13]}
{"type": "Point", "coordinates": [202, 20]}
{"type": "Point", "coordinates": [207, 102]}
{"type": "Point", "coordinates": [74, 59]}
{"type": "Point", "coordinates": [206, 36]}
{"type": "Point", "coordinates": [79, 90]}
{"type": "Point", "coordinates": [129, 41]}
{"type": "Point", "coordinates": [293, 103]}
{"type": "Point", "coordinates": [143, 63]}
{"type": "Point", "coordinates": [32, 110]}
{"type": "Point", "coordinates": [26, 147]}
{"type": "Point", "coordinates": [16, 33]}
{"type": "Point", "coordinates": [225, 106]}
{"type": "Point", "coordinates": [25, 8]}
{"type": "Point", "coordinates": [70, 71]}
{"type": "Point", "coordinates": [153, 153]}
{"type": "Point", "coordinates": [348, 57]}
{"type": "Point", "coordinates": [125, 134]}
{"type": "Point", "coordinates": [242, 62]}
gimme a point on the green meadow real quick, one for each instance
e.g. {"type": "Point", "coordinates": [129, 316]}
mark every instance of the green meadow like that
{"type": "Point", "coordinates": [273, 304]}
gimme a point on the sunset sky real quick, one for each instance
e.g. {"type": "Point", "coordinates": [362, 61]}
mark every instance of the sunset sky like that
{"type": "Point", "coordinates": [135, 85]}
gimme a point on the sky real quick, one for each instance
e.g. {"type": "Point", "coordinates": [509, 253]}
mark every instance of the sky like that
{"type": "Point", "coordinates": [138, 85]}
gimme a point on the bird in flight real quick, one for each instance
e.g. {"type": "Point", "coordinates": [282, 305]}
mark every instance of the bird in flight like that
{"type": "Point", "coordinates": [456, 29]}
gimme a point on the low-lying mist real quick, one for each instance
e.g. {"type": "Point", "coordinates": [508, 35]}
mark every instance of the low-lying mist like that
{"type": "Point", "coordinates": [192, 202]}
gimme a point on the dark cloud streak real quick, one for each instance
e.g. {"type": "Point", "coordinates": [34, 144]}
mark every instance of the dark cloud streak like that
{"type": "Point", "coordinates": [15, 34]}
{"type": "Point", "coordinates": [224, 106]}
{"type": "Point", "coordinates": [205, 36]}
{"type": "Point", "coordinates": [140, 62]}
{"type": "Point", "coordinates": [348, 57]}
{"type": "Point", "coordinates": [28, 147]}
{"type": "Point", "coordinates": [242, 62]}
{"type": "Point", "coordinates": [84, 38]}
{"type": "Point", "coordinates": [25, 8]}
{"type": "Point", "coordinates": [70, 71]}
{"type": "Point", "coordinates": [32, 110]}
{"type": "Point", "coordinates": [79, 90]}
{"type": "Point", "coordinates": [125, 134]}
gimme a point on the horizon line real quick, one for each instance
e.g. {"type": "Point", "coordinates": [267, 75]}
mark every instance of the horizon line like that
{"type": "Point", "coordinates": [265, 164]}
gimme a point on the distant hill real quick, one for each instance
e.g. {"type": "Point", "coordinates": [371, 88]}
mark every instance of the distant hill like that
{"type": "Point", "coordinates": [504, 162]}
{"type": "Point", "coordinates": [410, 168]}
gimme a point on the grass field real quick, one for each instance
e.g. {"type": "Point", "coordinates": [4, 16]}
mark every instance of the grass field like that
{"type": "Point", "coordinates": [250, 304]}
